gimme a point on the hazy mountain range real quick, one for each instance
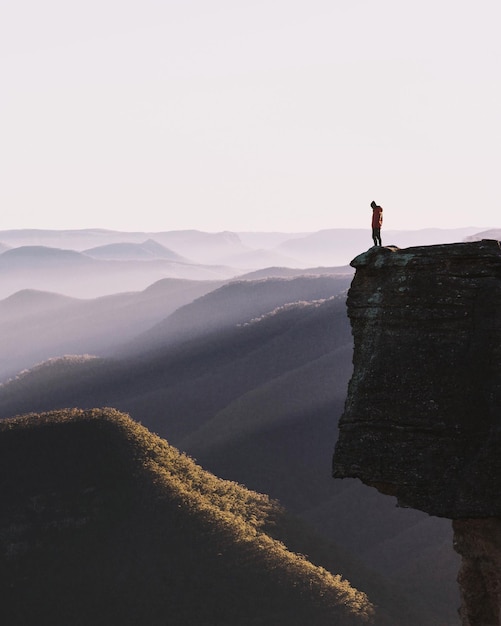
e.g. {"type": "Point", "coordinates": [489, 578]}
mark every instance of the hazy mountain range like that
{"type": "Point", "coordinates": [246, 372]}
{"type": "Point", "coordinates": [37, 325]}
{"type": "Point", "coordinates": [238, 252]}
{"type": "Point", "coordinates": [494, 233]}
{"type": "Point", "coordinates": [79, 275]}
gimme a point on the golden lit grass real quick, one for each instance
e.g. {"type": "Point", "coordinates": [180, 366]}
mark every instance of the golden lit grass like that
{"type": "Point", "coordinates": [235, 517]}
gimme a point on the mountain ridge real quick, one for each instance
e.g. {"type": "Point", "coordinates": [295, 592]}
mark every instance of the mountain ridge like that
{"type": "Point", "coordinates": [174, 390]}
{"type": "Point", "coordinates": [148, 249]}
{"type": "Point", "coordinates": [37, 325]}
{"type": "Point", "coordinates": [330, 246]}
{"type": "Point", "coordinates": [173, 515]}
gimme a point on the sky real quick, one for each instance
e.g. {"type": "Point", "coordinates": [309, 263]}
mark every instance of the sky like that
{"type": "Point", "coordinates": [255, 115]}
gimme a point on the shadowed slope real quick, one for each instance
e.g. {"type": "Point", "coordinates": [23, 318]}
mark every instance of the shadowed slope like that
{"type": "Point", "coordinates": [36, 326]}
{"type": "Point", "coordinates": [236, 302]}
{"type": "Point", "coordinates": [176, 389]}
{"type": "Point", "coordinates": [104, 523]}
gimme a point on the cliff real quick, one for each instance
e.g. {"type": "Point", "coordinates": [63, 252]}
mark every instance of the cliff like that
{"type": "Point", "coordinates": [422, 418]}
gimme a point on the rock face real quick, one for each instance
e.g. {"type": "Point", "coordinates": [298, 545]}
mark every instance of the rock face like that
{"type": "Point", "coordinates": [422, 419]}
{"type": "Point", "coordinates": [479, 543]}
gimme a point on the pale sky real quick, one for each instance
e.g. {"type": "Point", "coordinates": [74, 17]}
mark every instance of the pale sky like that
{"type": "Point", "coordinates": [287, 115]}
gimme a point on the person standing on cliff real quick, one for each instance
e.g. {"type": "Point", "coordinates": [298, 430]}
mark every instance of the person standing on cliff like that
{"type": "Point", "coordinates": [377, 222]}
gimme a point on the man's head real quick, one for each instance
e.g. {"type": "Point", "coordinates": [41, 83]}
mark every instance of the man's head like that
{"type": "Point", "coordinates": [373, 204]}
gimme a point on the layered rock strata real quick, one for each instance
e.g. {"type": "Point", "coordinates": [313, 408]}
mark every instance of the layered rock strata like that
{"type": "Point", "coordinates": [422, 419]}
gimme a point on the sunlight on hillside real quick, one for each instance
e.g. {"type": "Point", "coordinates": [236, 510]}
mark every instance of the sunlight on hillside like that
{"type": "Point", "coordinates": [163, 479]}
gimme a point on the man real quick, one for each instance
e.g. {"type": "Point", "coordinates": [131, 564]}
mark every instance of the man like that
{"type": "Point", "coordinates": [377, 222]}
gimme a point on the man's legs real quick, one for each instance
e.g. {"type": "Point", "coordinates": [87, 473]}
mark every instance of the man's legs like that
{"type": "Point", "coordinates": [376, 236]}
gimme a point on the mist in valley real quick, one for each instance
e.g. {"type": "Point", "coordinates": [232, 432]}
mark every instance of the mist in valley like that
{"type": "Point", "coordinates": [245, 370]}
{"type": "Point", "coordinates": [184, 188]}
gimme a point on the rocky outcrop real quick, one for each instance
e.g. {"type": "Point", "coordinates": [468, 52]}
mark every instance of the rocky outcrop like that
{"type": "Point", "coordinates": [422, 419]}
{"type": "Point", "coordinates": [479, 543]}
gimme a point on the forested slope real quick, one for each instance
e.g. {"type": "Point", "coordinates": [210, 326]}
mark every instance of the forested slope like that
{"type": "Point", "coordinates": [102, 522]}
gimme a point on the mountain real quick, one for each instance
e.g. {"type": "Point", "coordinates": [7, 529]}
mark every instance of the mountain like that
{"type": "Point", "coordinates": [237, 302]}
{"type": "Point", "coordinates": [36, 325]}
{"type": "Point", "coordinates": [74, 239]}
{"type": "Point", "coordinates": [338, 246]}
{"type": "Point", "coordinates": [256, 398]}
{"type": "Point", "coordinates": [494, 233]}
{"type": "Point", "coordinates": [258, 404]}
{"type": "Point", "coordinates": [146, 250]}
{"type": "Point", "coordinates": [29, 303]}
{"type": "Point", "coordinates": [78, 275]}
{"type": "Point", "coordinates": [40, 257]}
{"type": "Point", "coordinates": [241, 358]}
{"type": "Point", "coordinates": [234, 320]}
{"type": "Point", "coordinates": [289, 272]}
{"type": "Point", "coordinates": [243, 250]}
{"type": "Point", "coordinates": [202, 247]}
{"type": "Point", "coordinates": [102, 522]}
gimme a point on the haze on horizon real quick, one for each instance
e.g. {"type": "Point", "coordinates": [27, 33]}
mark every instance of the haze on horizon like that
{"type": "Point", "coordinates": [273, 115]}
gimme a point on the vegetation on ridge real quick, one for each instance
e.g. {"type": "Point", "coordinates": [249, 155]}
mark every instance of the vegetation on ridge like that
{"type": "Point", "coordinates": [105, 523]}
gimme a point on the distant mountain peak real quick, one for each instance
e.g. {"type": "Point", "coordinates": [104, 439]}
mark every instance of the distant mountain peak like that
{"type": "Point", "coordinates": [41, 252]}
{"type": "Point", "coordinates": [147, 250]}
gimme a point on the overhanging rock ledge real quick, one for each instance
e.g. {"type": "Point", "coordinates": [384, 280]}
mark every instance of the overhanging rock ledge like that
{"type": "Point", "coordinates": [422, 419]}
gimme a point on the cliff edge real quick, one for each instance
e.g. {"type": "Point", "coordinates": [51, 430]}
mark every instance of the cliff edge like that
{"type": "Point", "coordinates": [422, 419]}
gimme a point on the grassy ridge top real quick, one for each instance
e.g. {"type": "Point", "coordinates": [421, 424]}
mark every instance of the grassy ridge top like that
{"type": "Point", "coordinates": [105, 523]}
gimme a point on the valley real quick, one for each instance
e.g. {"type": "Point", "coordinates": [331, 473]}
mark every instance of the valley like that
{"type": "Point", "coordinates": [247, 375]}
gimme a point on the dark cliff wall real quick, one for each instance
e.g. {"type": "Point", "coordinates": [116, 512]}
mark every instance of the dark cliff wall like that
{"type": "Point", "coordinates": [422, 419]}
